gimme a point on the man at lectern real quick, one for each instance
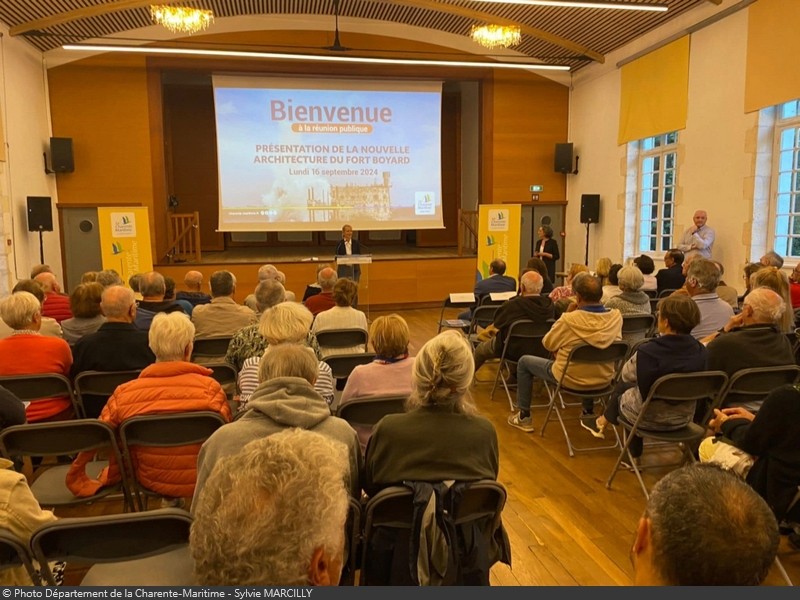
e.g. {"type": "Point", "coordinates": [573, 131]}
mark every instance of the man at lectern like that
{"type": "Point", "coordinates": [348, 246]}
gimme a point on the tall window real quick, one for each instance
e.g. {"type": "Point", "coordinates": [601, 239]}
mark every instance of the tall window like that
{"type": "Point", "coordinates": [786, 180]}
{"type": "Point", "coordinates": [656, 203]}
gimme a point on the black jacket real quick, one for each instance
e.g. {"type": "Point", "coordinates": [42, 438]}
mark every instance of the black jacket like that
{"type": "Point", "coordinates": [348, 270]}
{"type": "Point", "coordinates": [670, 279]}
{"type": "Point", "coordinates": [538, 309]}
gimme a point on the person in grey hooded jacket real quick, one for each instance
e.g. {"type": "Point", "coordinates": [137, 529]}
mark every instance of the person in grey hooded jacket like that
{"type": "Point", "coordinates": [285, 398]}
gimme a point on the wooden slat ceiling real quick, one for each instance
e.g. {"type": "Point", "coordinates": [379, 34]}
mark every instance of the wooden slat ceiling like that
{"type": "Point", "coordinates": [568, 36]}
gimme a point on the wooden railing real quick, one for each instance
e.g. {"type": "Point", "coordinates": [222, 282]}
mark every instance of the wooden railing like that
{"type": "Point", "coordinates": [184, 244]}
{"type": "Point", "coordinates": [467, 232]}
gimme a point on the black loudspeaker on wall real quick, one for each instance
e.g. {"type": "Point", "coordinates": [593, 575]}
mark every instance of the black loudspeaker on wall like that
{"type": "Point", "coordinates": [61, 155]}
{"type": "Point", "coordinates": [563, 160]}
{"type": "Point", "coordinates": [40, 214]}
{"type": "Point", "coordinates": [590, 208]}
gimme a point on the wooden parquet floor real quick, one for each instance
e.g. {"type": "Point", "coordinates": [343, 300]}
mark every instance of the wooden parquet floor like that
{"type": "Point", "coordinates": [565, 527]}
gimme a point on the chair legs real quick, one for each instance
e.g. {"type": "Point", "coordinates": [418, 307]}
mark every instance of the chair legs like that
{"type": "Point", "coordinates": [555, 399]}
{"type": "Point", "coordinates": [782, 571]}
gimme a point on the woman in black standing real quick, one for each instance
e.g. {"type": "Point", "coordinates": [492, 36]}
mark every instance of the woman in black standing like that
{"type": "Point", "coordinates": [547, 250]}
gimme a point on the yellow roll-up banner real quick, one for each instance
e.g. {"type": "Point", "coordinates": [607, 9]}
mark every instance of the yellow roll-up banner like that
{"type": "Point", "coordinates": [499, 237]}
{"type": "Point", "coordinates": [125, 240]}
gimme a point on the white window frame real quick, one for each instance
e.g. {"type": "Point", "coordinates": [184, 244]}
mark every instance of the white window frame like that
{"type": "Point", "coordinates": [784, 204]}
{"type": "Point", "coordinates": [663, 150]}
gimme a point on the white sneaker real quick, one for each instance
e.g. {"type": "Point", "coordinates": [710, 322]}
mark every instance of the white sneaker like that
{"type": "Point", "coordinates": [525, 424]}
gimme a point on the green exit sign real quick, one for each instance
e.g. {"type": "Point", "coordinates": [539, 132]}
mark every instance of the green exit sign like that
{"type": "Point", "coordinates": [537, 188]}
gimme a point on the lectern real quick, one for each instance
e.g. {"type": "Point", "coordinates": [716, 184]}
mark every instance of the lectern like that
{"type": "Point", "coordinates": [344, 267]}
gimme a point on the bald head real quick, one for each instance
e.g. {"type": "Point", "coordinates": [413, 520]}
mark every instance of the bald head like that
{"type": "Point", "coordinates": [193, 280]}
{"type": "Point", "coordinates": [152, 286]}
{"type": "Point", "coordinates": [267, 272]}
{"type": "Point", "coordinates": [327, 278]}
{"type": "Point", "coordinates": [48, 282]}
{"type": "Point", "coordinates": [118, 304]}
{"type": "Point", "coordinates": [531, 283]}
{"type": "Point", "coordinates": [763, 305]}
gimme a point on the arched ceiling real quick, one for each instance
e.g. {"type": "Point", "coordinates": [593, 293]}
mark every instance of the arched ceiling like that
{"type": "Point", "coordinates": [557, 35]}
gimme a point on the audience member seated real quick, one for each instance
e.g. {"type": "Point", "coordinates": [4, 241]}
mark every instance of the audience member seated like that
{"type": "Point", "coordinates": [118, 345]}
{"type": "Point", "coordinates": [772, 259]}
{"type": "Point", "coordinates": [588, 323]}
{"type": "Point", "coordinates": [56, 304]}
{"type": "Point", "coordinates": [459, 443]}
{"type": "Point", "coordinates": [703, 526]}
{"type": "Point", "coordinates": [89, 277]}
{"type": "Point", "coordinates": [265, 273]}
{"type": "Point", "coordinates": [749, 270]}
{"type": "Point", "coordinates": [285, 323]}
{"type": "Point", "coordinates": [602, 268]}
{"type": "Point", "coordinates": [50, 326]}
{"type": "Point", "coordinates": [646, 265]}
{"type": "Point", "coordinates": [280, 277]}
{"type": "Point", "coordinates": [194, 294]}
{"type": "Point", "coordinates": [776, 280]}
{"type": "Point", "coordinates": [496, 282]}
{"type": "Point", "coordinates": [171, 385]}
{"type": "Point", "coordinates": [36, 269]}
{"type": "Point", "coordinates": [341, 316]}
{"type": "Point", "coordinates": [565, 291]}
{"type": "Point", "coordinates": [751, 339]}
{"type": "Point", "coordinates": [26, 352]}
{"type": "Point", "coordinates": [222, 317]}
{"type": "Point", "coordinates": [84, 302]}
{"type": "Point", "coordinates": [109, 277]}
{"type": "Point", "coordinates": [169, 295]}
{"type": "Point", "coordinates": [612, 288]}
{"type": "Point", "coordinates": [312, 289]}
{"type": "Point", "coordinates": [671, 277]}
{"type": "Point", "coordinates": [324, 299]}
{"type": "Point", "coordinates": [281, 503]}
{"type": "Point", "coordinates": [702, 278]}
{"type": "Point", "coordinates": [631, 300]}
{"type": "Point", "coordinates": [152, 288]}
{"type": "Point", "coordinates": [794, 287]}
{"type": "Point", "coordinates": [284, 398]}
{"type": "Point", "coordinates": [673, 351]}
{"type": "Point", "coordinates": [724, 291]}
{"type": "Point", "coordinates": [21, 515]}
{"type": "Point", "coordinates": [761, 448]}
{"type": "Point", "coordinates": [133, 282]}
{"type": "Point", "coordinates": [530, 305]}
{"type": "Point", "coordinates": [248, 341]}
{"type": "Point", "coordinates": [537, 264]}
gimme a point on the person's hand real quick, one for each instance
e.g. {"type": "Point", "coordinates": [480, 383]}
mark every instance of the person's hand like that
{"type": "Point", "coordinates": [738, 412]}
{"type": "Point", "coordinates": [715, 424]}
{"type": "Point", "coordinates": [734, 322]}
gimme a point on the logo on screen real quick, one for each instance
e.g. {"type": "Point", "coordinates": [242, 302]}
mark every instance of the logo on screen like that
{"type": "Point", "coordinates": [498, 220]}
{"type": "Point", "coordinates": [424, 203]}
{"type": "Point", "coordinates": [123, 225]}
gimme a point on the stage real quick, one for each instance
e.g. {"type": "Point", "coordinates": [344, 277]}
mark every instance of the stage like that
{"type": "Point", "coordinates": [400, 276]}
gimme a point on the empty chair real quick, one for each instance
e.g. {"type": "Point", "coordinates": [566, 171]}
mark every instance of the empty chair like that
{"type": "Point", "coordinates": [146, 548]}
{"type": "Point", "coordinates": [482, 317]}
{"type": "Point", "coordinates": [163, 431]}
{"type": "Point", "coordinates": [637, 327]}
{"type": "Point", "coordinates": [211, 349]}
{"type": "Point", "coordinates": [673, 389]}
{"type": "Point", "coordinates": [336, 341]}
{"type": "Point", "coordinates": [94, 388]}
{"type": "Point", "coordinates": [448, 318]}
{"type": "Point", "coordinates": [61, 438]}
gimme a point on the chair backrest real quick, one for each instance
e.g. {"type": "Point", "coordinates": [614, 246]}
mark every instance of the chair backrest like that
{"type": "Point", "coordinates": [368, 411]}
{"type": "Point", "coordinates": [525, 337]}
{"type": "Point", "coordinates": [749, 387]}
{"type": "Point", "coordinates": [169, 430]}
{"type": "Point", "coordinates": [636, 326]}
{"type": "Point", "coordinates": [341, 338]}
{"type": "Point", "coordinates": [651, 293]}
{"type": "Point", "coordinates": [482, 316]}
{"type": "Point", "coordinates": [111, 538]}
{"type": "Point", "coordinates": [57, 438]}
{"type": "Point", "coordinates": [42, 386]}
{"type": "Point", "coordinates": [666, 292]}
{"type": "Point", "coordinates": [211, 347]}
{"type": "Point", "coordinates": [614, 355]}
{"type": "Point", "coordinates": [343, 364]}
{"type": "Point", "coordinates": [15, 553]}
{"type": "Point", "coordinates": [94, 388]}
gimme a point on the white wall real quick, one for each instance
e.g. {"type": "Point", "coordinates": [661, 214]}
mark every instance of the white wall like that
{"type": "Point", "coordinates": [25, 114]}
{"type": "Point", "coordinates": [714, 167]}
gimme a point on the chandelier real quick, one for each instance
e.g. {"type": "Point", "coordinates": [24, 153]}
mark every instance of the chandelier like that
{"type": "Point", "coordinates": [496, 36]}
{"type": "Point", "coordinates": [179, 19]}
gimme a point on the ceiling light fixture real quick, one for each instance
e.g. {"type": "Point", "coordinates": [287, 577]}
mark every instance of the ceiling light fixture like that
{"type": "Point", "coordinates": [179, 19]}
{"type": "Point", "coordinates": [496, 36]}
{"type": "Point", "coordinates": [583, 4]}
{"type": "Point", "coordinates": [313, 57]}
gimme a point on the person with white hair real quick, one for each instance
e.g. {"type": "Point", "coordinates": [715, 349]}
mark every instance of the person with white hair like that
{"type": "Point", "coordinates": [326, 278]}
{"type": "Point", "coordinates": [751, 339]}
{"type": "Point", "coordinates": [341, 316]}
{"type": "Point", "coordinates": [285, 323]}
{"type": "Point", "coordinates": [171, 385]}
{"type": "Point", "coordinates": [194, 294]}
{"type": "Point", "coordinates": [702, 279]}
{"type": "Point", "coordinates": [50, 326]}
{"type": "Point", "coordinates": [27, 352]}
{"type": "Point", "coordinates": [632, 300]}
{"type": "Point", "coordinates": [222, 317]}
{"type": "Point", "coordinates": [282, 504]}
{"type": "Point", "coordinates": [698, 240]}
{"type": "Point", "coordinates": [285, 398]}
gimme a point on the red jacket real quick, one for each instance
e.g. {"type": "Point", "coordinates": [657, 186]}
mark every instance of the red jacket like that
{"type": "Point", "coordinates": [56, 306]}
{"type": "Point", "coordinates": [163, 387]}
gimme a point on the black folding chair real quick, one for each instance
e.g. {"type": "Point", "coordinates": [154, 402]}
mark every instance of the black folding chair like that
{"type": "Point", "coordinates": [673, 389]}
{"type": "Point", "coordinates": [211, 349]}
{"type": "Point", "coordinates": [449, 305]}
{"type": "Point", "coordinates": [330, 340]}
{"type": "Point", "coordinates": [584, 354]}
{"type": "Point", "coordinates": [15, 553]}
{"type": "Point", "coordinates": [748, 387]}
{"type": "Point", "coordinates": [523, 337]}
{"type": "Point", "coordinates": [637, 327]}
{"type": "Point", "coordinates": [364, 413]}
{"type": "Point", "coordinates": [41, 386]}
{"type": "Point", "coordinates": [482, 317]}
{"type": "Point", "coordinates": [94, 388]}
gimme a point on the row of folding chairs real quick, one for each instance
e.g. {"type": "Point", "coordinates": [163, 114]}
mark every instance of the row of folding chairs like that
{"type": "Point", "coordinates": [68, 438]}
{"type": "Point", "coordinates": [91, 389]}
